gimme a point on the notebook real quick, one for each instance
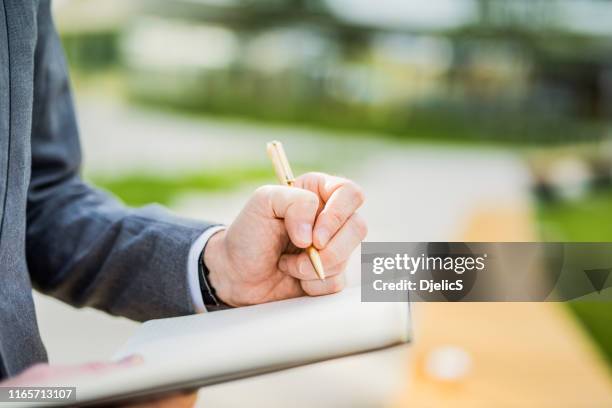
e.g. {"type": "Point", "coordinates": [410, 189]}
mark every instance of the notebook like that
{"type": "Point", "coordinates": [190, 352]}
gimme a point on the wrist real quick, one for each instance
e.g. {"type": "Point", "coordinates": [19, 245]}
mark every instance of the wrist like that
{"type": "Point", "coordinates": [216, 261]}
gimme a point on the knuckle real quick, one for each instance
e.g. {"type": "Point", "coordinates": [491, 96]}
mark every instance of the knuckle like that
{"type": "Point", "coordinates": [293, 265]}
{"type": "Point", "coordinates": [332, 256]}
{"type": "Point", "coordinates": [261, 190]}
{"type": "Point", "coordinates": [300, 199]}
{"type": "Point", "coordinates": [339, 268]}
{"type": "Point", "coordinates": [356, 191]}
{"type": "Point", "coordinates": [335, 218]}
{"type": "Point", "coordinates": [336, 284]}
{"type": "Point", "coordinates": [299, 268]}
{"type": "Point", "coordinates": [311, 198]}
{"type": "Point", "coordinates": [261, 199]}
{"type": "Point", "coordinates": [306, 270]}
{"type": "Point", "coordinates": [264, 192]}
{"type": "Point", "coordinates": [308, 288]}
{"type": "Point", "coordinates": [308, 181]}
{"type": "Point", "coordinates": [312, 174]}
{"type": "Point", "coordinates": [360, 226]}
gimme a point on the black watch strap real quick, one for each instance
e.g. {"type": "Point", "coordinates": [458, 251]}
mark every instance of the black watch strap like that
{"type": "Point", "coordinates": [211, 301]}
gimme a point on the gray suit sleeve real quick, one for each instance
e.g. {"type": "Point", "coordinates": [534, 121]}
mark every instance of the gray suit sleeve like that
{"type": "Point", "coordinates": [83, 246]}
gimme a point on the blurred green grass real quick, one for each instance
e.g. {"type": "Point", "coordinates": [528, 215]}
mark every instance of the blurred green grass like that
{"type": "Point", "coordinates": [589, 220]}
{"type": "Point", "coordinates": [141, 188]}
{"type": "Point", "coordinates": [596, 317]}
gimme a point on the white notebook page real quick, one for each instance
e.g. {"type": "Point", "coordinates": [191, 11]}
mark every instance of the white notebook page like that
{"type": "Point", "coordinates": [217, 346]}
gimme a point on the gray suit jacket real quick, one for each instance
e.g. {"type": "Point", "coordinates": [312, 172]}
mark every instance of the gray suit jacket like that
{"type": "Point", "coordinates": [57, 234]}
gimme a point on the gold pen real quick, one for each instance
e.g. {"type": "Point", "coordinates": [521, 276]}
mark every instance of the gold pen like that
{"type": "Point", "coordinates": [285, 177]}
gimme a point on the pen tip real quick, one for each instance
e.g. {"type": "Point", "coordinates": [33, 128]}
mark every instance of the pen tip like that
{"type": "Point", "coordinates": [315, 259]}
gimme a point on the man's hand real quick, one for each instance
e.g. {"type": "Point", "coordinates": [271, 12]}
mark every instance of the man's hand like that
{"type": "Point", "coordinates": [260, 257]}
{"type": "Point", "coordinates": [42, 374]}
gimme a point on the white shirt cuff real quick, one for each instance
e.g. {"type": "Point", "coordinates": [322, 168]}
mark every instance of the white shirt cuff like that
{"type": "Point", "coordinates": [193, 278]}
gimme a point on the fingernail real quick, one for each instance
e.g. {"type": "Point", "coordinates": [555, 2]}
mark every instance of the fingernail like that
{"type": "Point", "coordinates": [323, 235]}
{"type": "Point", "coordinates": [282, 264]}
{"type": "Point", "coordinates": [305, 233]}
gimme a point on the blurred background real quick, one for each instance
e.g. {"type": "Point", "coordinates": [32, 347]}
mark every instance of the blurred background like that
{"type": "Point", "coordinates": [462, 119]}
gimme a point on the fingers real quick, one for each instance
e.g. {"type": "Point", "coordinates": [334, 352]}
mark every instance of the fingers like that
{"type": "Point", "coordinates": [338, 229]}
{"type": "Point", "coordinates": [298, 208]}
{"type": "Point", "coordinates": [42, 373]}
{"type": "Point", "coordinates": [327, 286]}
{"type": "Point", "coordinates": [342, 204]}
{"type": "Point", "coordinates": [342, 198]}
{"type": "Point", "coordinates": [345, 241]}
{"type": "Point", "coordinates": [334, 257]}
{"type": "Point", "coordinates": [300, 267]}
{"type": "Point", "coordinates": [103, 367]}
{"type": "Point", "coordinates": [286, 288]}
